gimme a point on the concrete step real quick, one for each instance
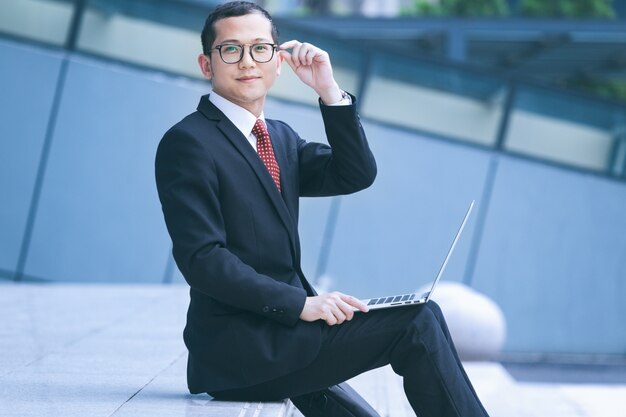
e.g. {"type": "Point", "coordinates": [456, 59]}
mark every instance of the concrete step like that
{"type": "Point", "coordinates": [117, 351]}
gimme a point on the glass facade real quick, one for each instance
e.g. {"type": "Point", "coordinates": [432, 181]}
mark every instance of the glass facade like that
{"type": "Point", "coordinates": [39, 20]}
{"type": "Point", "coordinates": [88, 212]}
{"type": "Point", "coordinates": [564, 128]}
{"type": "Point", "coordinates": [145, 33]}
{"type": "Point", "coordinates": [436, 98]}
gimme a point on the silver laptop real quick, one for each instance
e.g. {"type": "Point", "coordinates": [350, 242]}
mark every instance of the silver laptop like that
{"type": "Point", "coordinates": [417, 298]}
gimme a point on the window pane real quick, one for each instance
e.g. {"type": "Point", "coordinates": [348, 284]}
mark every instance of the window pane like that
{"type": "Point", "coordinates": [435, 99]}
{"type": "Point", "coordinates": [155, 34]}
{"type": "Point", "coordinates": [563, 128]}
{"type": "Point", "coordinates": [41, 20]}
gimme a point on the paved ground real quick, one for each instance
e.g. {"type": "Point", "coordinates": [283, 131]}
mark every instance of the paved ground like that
{"type": "Point", "coordinates": [116, 350]}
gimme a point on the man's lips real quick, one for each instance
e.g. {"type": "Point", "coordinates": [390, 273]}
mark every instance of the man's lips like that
{"type": "Point", "coordinates": [248, 78]}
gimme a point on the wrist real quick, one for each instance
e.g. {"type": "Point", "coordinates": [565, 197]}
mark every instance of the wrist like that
{"type": "Point", "coordinates": [346, 100]}
{"type": "Point", "coordinates": [332, 95]}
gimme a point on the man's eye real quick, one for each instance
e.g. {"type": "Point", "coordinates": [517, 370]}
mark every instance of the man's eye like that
{"type": "Point", "coordinates": [261, 47]}
{"type": "Point", "coordinates": [230, 49]}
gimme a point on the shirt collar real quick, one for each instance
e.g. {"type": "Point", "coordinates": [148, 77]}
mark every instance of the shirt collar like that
{"type": "Point", "coordinates": [242, 119]}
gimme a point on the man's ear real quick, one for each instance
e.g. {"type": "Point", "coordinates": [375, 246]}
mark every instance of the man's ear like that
{"type": "Point", "coordinates": [205, 66]}
{"type": "Point", "coordinates": [280, 62]}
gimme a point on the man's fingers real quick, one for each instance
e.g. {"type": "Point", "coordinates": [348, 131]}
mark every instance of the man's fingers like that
{"type": "Point", "coordinates": [343, 312]}
{"type": "Point", "coordinates": [289, 58]}
{"type": "Point", "coordinates": [355, 303]}
{"type": "Point", "coordinates": [295, 54]}
{"type": "Point", "coordinates": [334, 308]}
{"type": "Point", "coordinates": [306, 52]}
{"type": "Point", "coordinates": [339, 316]}
{"type": "Point", "coordinates": [346, 309]}
{"type": "Point", "coordinates": [294, 59]}
{"type": "Point", "coordinates": [299, 55]}
{"type": "Point", "coordinates": [288, 44]}
{"type": "Point", "coordinates": [302, 53]}
{"type": "Point", "coordinates": [330, 318]}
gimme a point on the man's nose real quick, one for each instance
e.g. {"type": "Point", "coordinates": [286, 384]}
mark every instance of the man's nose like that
{"type": "Point", "coordinates": [246, 60]}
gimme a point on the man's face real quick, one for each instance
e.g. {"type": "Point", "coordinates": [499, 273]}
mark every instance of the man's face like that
{"type": "Point", "coordinates": [247, 82]}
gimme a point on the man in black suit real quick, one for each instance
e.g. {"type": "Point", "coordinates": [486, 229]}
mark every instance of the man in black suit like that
{"type": "Point", "coordinates": [229, 181]}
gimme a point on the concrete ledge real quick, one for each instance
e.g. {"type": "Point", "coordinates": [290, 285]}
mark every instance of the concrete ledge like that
{"type": "Point", "coordinates": [102, 350]}
{"type": "Point", "coordinates": [191, 407]}
{"type": "Point", "coordinates": [116, 351]}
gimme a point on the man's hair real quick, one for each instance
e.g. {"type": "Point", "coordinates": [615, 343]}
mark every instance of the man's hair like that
{"type": "Point", "coordinates": [231, 9]}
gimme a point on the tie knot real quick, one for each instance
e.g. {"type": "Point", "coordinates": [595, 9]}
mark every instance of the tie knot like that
{"type": "Point", "coordinates": [260, 130]}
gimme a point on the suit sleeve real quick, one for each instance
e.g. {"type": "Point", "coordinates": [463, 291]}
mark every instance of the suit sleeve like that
{"type": "Point", "coordinates": [188, 188]}
{"type": "Point", "coordinates": [344, 167]}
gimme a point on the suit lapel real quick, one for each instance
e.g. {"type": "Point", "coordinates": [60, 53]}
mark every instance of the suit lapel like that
{"type": "Point", "coordinates": [281, 152]}
{"type": "Point", "coordinates": [243, 147]}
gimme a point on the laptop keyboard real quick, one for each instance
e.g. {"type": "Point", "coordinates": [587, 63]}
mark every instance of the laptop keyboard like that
{"type": "Point", "coordinates": [392, 299]}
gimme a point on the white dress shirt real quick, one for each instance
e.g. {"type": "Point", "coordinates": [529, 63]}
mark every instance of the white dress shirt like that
{"type": "Point", "coordinates": [242, 119]}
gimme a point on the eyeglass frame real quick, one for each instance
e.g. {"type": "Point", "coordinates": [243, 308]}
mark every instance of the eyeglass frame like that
{"type": "Point", "coordinates": [243, 48]}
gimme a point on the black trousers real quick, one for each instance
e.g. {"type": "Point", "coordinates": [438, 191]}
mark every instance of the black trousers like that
{"type": "Point", "coordinates": [414, 340]}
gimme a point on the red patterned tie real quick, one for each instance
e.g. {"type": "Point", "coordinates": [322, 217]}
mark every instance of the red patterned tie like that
{"type": "Point", "coordinates": [265, 150]}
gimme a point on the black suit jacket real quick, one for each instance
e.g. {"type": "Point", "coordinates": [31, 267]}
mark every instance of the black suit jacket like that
{"type": "Point", "coordinates": [235, 238]}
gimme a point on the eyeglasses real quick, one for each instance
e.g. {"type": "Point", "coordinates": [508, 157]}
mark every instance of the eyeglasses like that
{"type": "Point", "coordinates": [232, 53]}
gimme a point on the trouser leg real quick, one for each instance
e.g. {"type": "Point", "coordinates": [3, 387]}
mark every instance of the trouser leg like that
{"type": "Point", "coordinates": [414, 340]}
{"type": "Point", "coordinates": [434, 379]}
{"type": "Point", "coordinates": [434, 307]}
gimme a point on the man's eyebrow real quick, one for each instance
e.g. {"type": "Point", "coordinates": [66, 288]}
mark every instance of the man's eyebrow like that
{"type": "Point", "coordinates": [238, 42]}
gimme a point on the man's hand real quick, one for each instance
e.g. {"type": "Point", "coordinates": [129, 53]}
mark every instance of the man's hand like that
{"type": "Point", "coordinates": [312, 66]}
{"type": "Point", "coordinates": [333, 308]}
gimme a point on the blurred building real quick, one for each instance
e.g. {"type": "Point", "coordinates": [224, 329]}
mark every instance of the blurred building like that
{"type": "Point", "coordinates": [456, 109]}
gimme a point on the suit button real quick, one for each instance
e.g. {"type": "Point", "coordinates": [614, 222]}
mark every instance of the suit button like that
{"type": "Point", "coordinates": [266, 309]}
{"type": "Point", "coordinates": [274, 310]}
{"type": "Point", "coordinates": [281, 311]}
